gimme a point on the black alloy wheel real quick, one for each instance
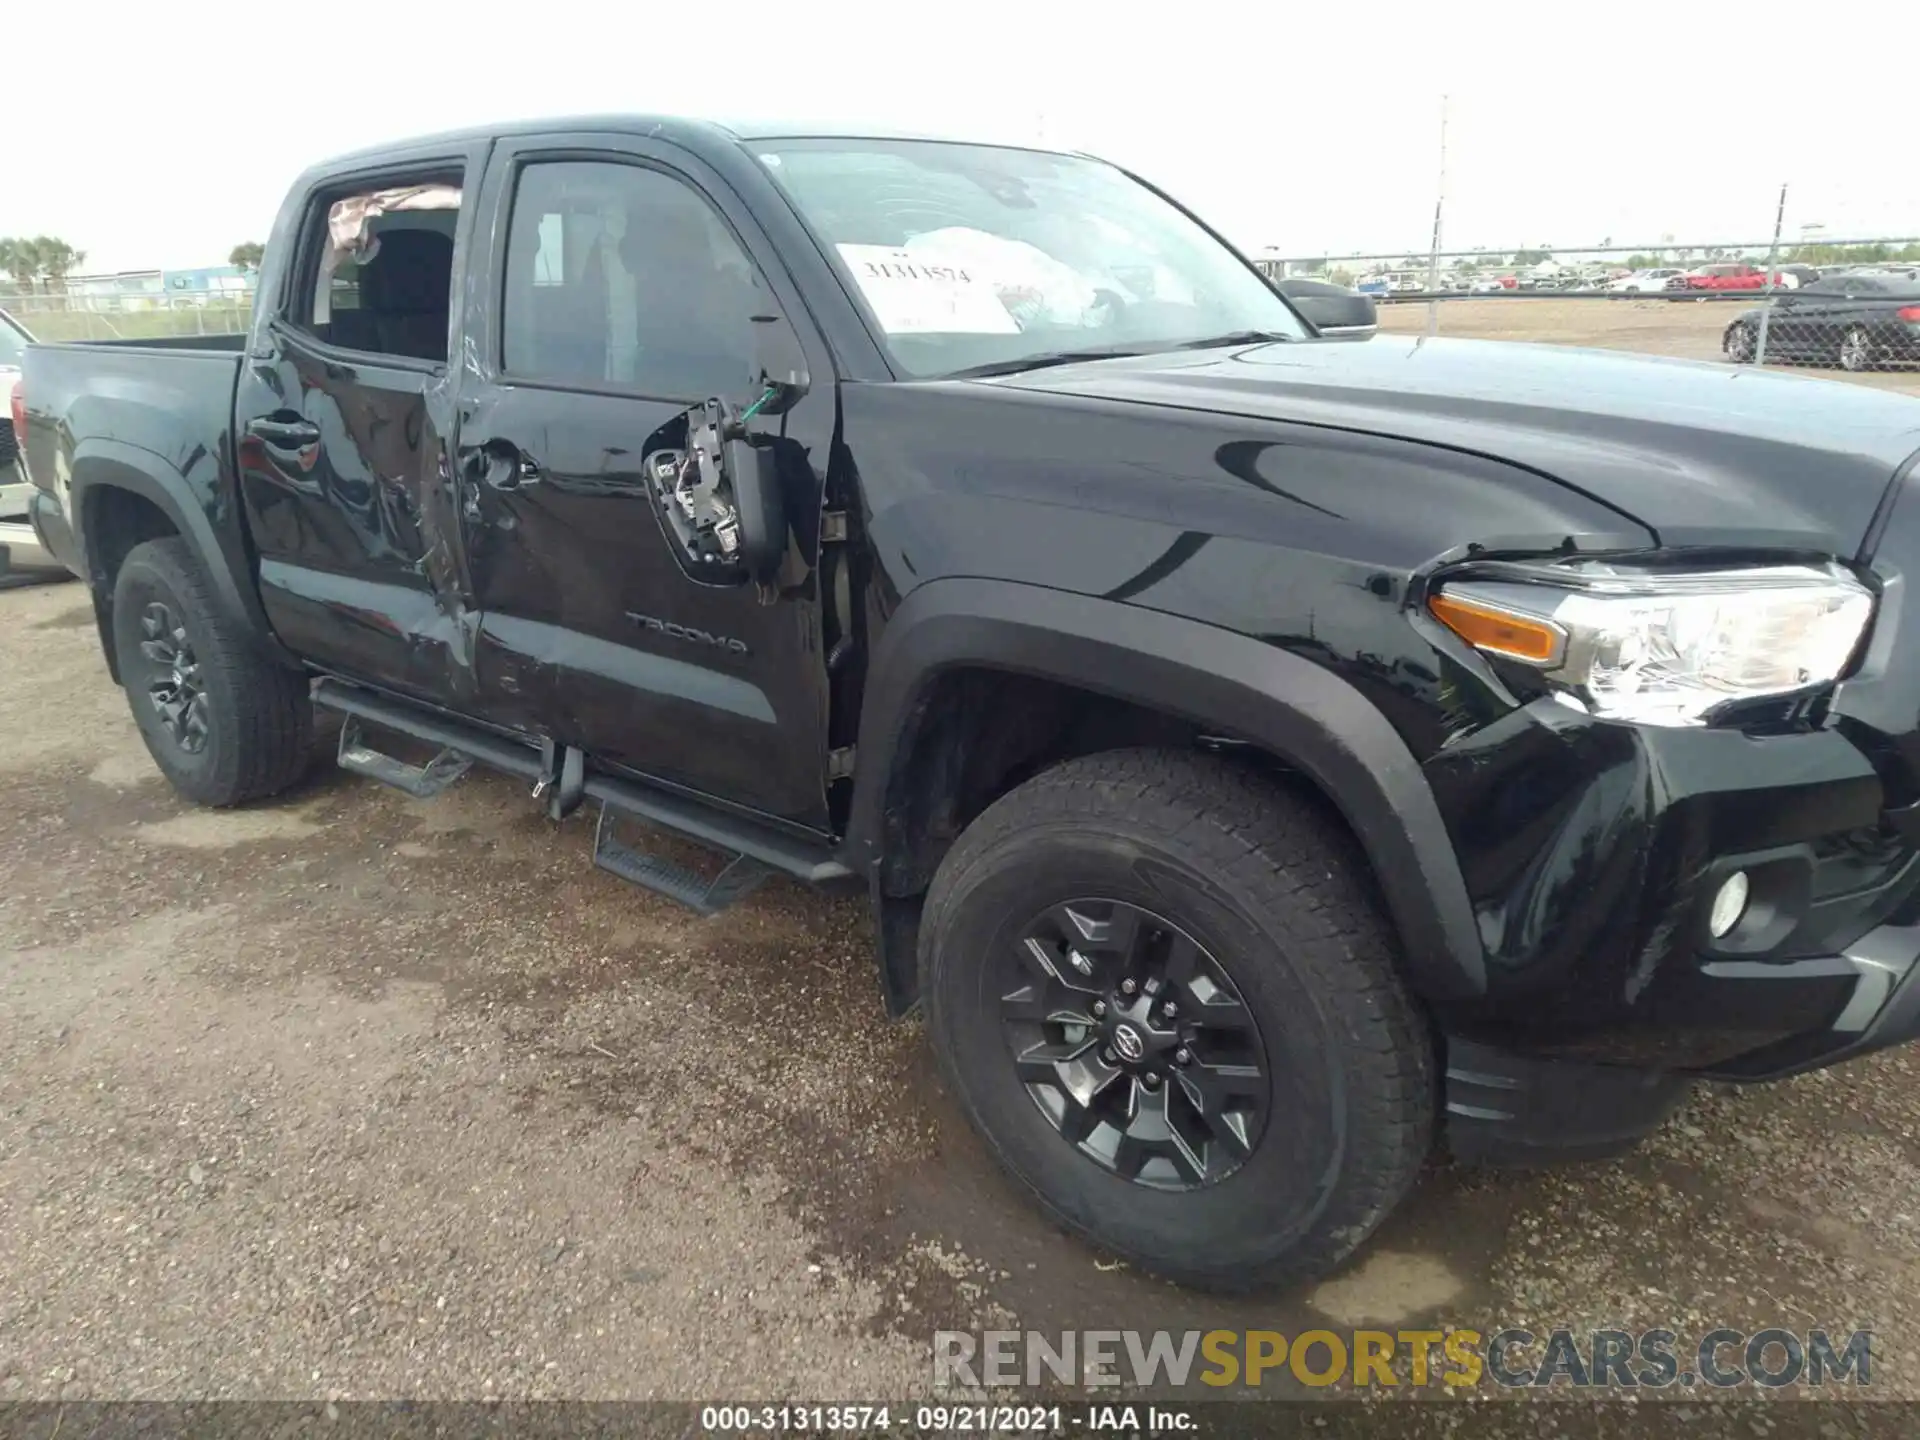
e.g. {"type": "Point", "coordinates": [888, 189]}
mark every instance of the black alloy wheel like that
{"type": "Point", "coordinates": [1135, 1043]}
{"type": "Point", "coordinates": [172, 680]}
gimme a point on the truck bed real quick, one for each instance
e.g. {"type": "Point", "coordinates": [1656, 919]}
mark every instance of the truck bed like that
{"type": "Point", "coordinates": [132, 404]}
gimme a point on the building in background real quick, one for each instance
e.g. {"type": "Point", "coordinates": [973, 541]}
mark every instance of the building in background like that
{"type": "Point", "coordinates": [135, 290]}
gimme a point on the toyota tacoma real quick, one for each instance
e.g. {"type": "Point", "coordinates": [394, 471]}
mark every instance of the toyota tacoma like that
{"type": "Point", "coordinates": [1268, 759]}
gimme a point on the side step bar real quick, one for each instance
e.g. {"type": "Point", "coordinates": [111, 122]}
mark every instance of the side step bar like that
{"type": "Point", "coordinates": [422, 782]}
{"type": "Point", "coordinates": [755, 849]}
{"type": "Point", "coordinates": [739, 879]}
{"type": "Point", "coordinates": [494, 751]}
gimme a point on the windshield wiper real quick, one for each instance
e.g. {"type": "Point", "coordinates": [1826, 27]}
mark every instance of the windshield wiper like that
{"type": "Point", "coordinates": [1041, 361]}
{"type": "Point", "coordinates": [1235, 337]}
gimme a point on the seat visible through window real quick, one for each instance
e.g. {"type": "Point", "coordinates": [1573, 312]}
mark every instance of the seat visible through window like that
{"type": "Point", "coordinates": [405, 298]}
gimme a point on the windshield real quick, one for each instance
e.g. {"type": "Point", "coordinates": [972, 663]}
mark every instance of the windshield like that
{"type": "Point", "coordinates": [13, 346]}
{"type": "Point", "coordinates": [974, 257]}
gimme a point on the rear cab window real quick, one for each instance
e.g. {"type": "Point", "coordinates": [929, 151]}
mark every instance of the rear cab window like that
{"type": "Point", "coordinates": [375, 267]}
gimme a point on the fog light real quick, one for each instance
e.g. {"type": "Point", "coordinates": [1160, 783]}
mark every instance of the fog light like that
{"type": "Point", "coordinates": [1729, 904]}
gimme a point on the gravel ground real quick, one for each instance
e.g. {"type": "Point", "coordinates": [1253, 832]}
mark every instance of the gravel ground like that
{"type": "Point", "coordinates": [352, 1095]}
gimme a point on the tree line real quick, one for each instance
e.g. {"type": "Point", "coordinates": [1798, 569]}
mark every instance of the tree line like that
{"type": "Point", "coordinates": [42, 259]}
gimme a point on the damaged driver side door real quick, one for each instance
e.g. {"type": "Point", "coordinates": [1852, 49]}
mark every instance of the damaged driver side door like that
{"type": "Point", "coordinates": [628, 280]}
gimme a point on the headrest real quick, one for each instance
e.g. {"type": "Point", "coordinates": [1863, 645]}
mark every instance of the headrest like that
{"type": "Point", "coordinates": [411, 273]}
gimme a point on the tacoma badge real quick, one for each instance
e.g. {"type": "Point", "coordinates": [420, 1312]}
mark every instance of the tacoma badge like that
{"type": "Point", "coordinates": [687, 632]}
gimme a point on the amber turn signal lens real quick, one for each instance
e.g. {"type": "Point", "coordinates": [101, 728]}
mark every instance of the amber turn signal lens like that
{"type": "Point", "coordinates": [1497, 631]}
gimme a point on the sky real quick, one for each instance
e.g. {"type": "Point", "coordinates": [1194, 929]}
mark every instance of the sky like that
{"type": "Point", "coordinates": [1299, 131]}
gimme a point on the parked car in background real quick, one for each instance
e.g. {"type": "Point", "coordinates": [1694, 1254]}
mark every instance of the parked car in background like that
{"type": "Point", "coordinates": [1645, 282]}
{"type": "Point", "coordinates": [14, 340]}
{"type": "Point", "coordinates": [1857, 321]}
{"type": "Point", "coordinates": [20, 549]}
{"type": "Point", "coordinates": [1730, 276]}
{"type": "Point", "coordinates": [1492, 284]}
{"type": "Point", "coordinates": [1378, 286]}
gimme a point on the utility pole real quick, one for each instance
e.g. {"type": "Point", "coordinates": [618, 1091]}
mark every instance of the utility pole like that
{"type": "Point", "coordinates": [1773, 250]}
{"type": "Point", "coordinates": [1439, 201]}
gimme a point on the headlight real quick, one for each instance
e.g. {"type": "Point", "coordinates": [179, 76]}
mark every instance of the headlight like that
{"type": "Point", "coordinates": [1664, 648]}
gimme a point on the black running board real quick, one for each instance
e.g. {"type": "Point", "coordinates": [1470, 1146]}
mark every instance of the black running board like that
{"type": "Point", "coordinates": [496, 752]}
{"type": "Point", "coordinates": [422, 782]}
{"type": "Point", "coordinates": [739, 878]}
{"type": "Point", "coordinates": [754, 848]}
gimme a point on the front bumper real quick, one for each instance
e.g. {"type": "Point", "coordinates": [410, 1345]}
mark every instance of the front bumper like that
{"type": "Point", "coordinates": [1882, 1009]}
{"type": "Point", "coordinates": [1592, 852]}
{"type": "Point", "coordinates": [1506, 1108]}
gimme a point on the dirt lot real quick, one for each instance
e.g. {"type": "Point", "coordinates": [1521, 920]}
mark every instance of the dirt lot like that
{"type": "Point", "coordinates": [1652, 327]}
{"type": "Point", "coordinates": [353, 1095]}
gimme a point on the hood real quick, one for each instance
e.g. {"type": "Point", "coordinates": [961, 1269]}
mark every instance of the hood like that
{"type": "Point", "coordinates": [1700, 454]}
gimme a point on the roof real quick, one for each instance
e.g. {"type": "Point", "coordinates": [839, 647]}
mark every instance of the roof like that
{"type": "Point", "coordinates": [687, 131]}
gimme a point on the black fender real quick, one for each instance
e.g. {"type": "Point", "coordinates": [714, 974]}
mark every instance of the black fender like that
{"type": "Point", "coordinates": [112, 464]}
{"type": "Point", "coordinates": [1299, 711]}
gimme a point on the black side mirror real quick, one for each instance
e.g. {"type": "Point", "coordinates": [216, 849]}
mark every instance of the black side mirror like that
{"type": "Point", "coordinates": [753, 462]}
{"type": "Point", "coordinates": [1335, 311]}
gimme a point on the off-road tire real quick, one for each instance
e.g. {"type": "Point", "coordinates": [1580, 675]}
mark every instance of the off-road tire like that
{"type": "Point", "coordinates": [1274, 887]}
{"type": "Point", "coordinates": [259, 721]}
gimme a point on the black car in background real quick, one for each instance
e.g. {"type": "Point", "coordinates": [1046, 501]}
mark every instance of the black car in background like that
{"type": "Point", "coordinates": [1858, 321]}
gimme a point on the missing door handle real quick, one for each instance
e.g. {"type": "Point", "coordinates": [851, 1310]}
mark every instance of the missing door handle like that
{"type": "Point", "coordinates": [504, 466]}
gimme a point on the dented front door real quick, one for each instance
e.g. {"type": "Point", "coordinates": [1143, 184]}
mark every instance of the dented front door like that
{"type": "Point", "coordinates": [621, 268]}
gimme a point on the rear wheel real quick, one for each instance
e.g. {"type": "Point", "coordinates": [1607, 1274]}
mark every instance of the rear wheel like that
{"type": "Point", "coordinates": [1161, 989]}
{"type": "Point", "coordinates": [223, 724]}
{"type": "Point", "coordinates": [1739, 343]}
{"type": "Point", "coordinates": [1856, 349]}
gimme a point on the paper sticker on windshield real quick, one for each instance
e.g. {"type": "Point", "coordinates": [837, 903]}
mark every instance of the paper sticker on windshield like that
{"type": "Point", "coordinates": [912, 295]}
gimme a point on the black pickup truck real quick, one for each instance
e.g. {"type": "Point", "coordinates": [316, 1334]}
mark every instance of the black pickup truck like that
{"type": "Point", "coordinates": [1266, 757]}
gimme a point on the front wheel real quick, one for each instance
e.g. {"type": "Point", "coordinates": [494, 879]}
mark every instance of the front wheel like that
{"type": "Point", "coordinates": [1739, 343]}
{"type": "Point", "coordinates": [223, 723]}
{"type": "Point", "coordinates": [1162, 990]}
{"type": "Point", "coordinates": [1856, 349]}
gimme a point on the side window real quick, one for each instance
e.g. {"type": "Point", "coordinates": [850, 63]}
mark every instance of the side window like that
{"type": "Point", "coordinates": [379, 272]}
{"type": "Point", "coordinates": [621, 275]}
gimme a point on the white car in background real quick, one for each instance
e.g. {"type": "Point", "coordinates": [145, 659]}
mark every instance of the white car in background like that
{"type": "Point", "coordinates": [1645, 282]}
{"type": "Point", "coordinates": [20, 548]}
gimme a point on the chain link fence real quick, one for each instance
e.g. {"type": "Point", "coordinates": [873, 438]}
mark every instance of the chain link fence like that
{"type": "Point", "coordinates": [81, 314]}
